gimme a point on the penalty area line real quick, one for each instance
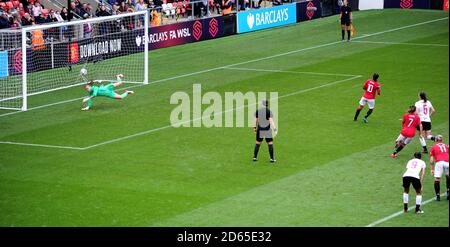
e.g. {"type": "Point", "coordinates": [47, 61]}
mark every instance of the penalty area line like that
{"type": "Point", "coordinates": [291, 72]}
{"type": "Point", "coordinates": [397, 214]}
{"type": "Point", "coordinates": [398, 43]}
{"type": "Point", "coordinates": [40, 145]}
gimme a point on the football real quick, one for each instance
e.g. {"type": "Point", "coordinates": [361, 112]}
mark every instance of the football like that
{"type": "Point", "coordinates": [83, 71]}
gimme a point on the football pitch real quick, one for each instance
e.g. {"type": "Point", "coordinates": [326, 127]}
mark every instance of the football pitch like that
{"type": "Point", "coordinates": [122, 164]}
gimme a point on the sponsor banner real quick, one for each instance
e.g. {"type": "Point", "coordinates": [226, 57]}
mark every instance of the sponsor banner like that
{"type": "Point", "coordinates": [308, 10]}
{"type": "Point", "coordinates": [98, 48]}
{"type": "Point", "coordinates": [115, 45]}
{"type": "Point", "coordinates": [3, 64]}
{"type": "Point", "coordinates": [15, 61]}
{"type": "Point", "coordinates": [183, 33]}
{"type": "Point", "coordinates": [371, 4]}
{"type": "Point", "coordinates": [248, 21]}
{"type": "Point", "coordinates": [407, 4]}
{"type": "Point", "coordinates": [445, 7]}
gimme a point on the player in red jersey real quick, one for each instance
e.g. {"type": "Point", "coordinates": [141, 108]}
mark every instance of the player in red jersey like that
{"type": "Point", "coordinates": [410, 121]}
{"type": "Point", "coordinates": [372, 87]}
{"type": "Point", "coordinates": [439, 157]}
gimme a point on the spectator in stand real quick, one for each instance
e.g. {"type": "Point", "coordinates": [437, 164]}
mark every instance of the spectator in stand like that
{"type": "Point", "coordinates": [87, 27]}
{"type": "Point", "coordinates": [64, 13]}
{"type": "Point", "coordinates": [21, 10]}
{"type": "Point", "coordinates": [29, 8]}
{"type": "Point", "coordinates": [226, 7]}
{"type": "Point", "coordinates": [131, 3]}
{"type": "Point", "coordinates": [243, 4]}
{"type": "Point", "coordinates": [27, 20]}
{"type": "Point", "coordinates": [155, 18]}
{"type": "Point", "coordinates": [123, 7]}
{"type": "Point", "coordinates": [83, 9]}
{"type": "Point", "coordinates": [112, 2]}
{"type": "Point", "coordinates": [140, 5]}
{"type": "Point", "coordinates": [51, 16]}
{"type": "Point", "coordinates": [115, 10]}
{"type": "Point", "coordinates": [4, 20]}
{"type": "Point", "coordinates": [215, 4]}
{"type": "Point", "coordinates": [16, 23]}
{"type": "Point", "coordinates": [276, 2]}
{"type": "Point", "coordinates": [150, 4]}
{"type": "Point", "coordinates": [101, 11]}
{"type": "Point", "coordinates": [158, 3]}
{"type": "Point", "coordinates": [37, 10]}
{"type": "Point", "coordinates": [58, 16]}
{"type": "Point", "coordinates": [89, 10]}
{"type": "Point", "coordinates": [75, 11]}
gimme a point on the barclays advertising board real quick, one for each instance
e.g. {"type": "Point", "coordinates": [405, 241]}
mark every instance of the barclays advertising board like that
{"type": "Point", "coordinates": [253, 20]}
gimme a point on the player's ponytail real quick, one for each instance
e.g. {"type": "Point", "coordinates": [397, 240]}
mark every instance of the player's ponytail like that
{"type": "Point", "coordinates": [423, 96]}
{"type": "Point", "coordinates": [375, 76]}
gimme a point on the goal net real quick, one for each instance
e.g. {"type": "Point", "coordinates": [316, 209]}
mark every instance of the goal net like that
{"type": "Point", "coordinates": [48, 58]}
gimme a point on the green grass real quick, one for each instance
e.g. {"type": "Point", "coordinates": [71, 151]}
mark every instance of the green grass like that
{"type": "Point", "coordinates": [331, 171]}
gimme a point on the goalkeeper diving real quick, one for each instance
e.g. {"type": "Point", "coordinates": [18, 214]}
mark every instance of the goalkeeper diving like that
{"type": "Point", "coordinates": [103, 90]}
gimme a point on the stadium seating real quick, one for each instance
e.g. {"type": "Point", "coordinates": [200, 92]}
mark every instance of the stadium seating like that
{"type": "Point", "coordinates": [16, 3]}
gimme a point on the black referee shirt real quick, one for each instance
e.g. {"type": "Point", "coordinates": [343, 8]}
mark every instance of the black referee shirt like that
{"type": "Point", "coordinates": [345, 10]}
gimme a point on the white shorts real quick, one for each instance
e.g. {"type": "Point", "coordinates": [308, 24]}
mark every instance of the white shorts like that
{"type": "Point", "coordinates": [405, 140]}
{"type": "Point", "coordinates": [439, 168]}
{"type": "Point", "coordinates": [369, 102]}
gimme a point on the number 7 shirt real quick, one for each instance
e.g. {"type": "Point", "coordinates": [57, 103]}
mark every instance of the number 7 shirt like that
{"type": "Point", "coordinates": [410, 122]}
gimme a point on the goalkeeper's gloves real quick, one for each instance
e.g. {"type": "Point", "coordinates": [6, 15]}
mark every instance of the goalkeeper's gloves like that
{"type": "Point", "coordinates": [254, 129]}
{"type": "Point", "coordinates": [275, 130]}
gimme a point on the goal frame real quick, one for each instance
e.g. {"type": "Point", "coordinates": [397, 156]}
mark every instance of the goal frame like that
{"type": "Point", "coordinates": [25, 30]}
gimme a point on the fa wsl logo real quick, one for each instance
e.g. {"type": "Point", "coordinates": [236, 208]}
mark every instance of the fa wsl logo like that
{"type": "Point", "coordinates": [310, 10]}
{"type": "Point", "coordinates": [406, 4]}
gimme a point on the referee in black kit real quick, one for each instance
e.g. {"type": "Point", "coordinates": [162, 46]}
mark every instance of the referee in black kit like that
{"type": "Point", "coordinates": [346, 19]}
{"type": "Point", "coordinates": [263, 128]}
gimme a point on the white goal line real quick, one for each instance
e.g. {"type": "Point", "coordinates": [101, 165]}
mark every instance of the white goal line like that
{"type": "Point", "coordinates": [60, 88]}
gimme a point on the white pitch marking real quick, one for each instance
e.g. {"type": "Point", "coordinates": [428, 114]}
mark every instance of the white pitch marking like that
{"type": "Point", "coordinates": [40, 145]}
{"type": "Point", "coordinates": [399, 43]}
{"type": "Point", "coordinates": [396, 214]}
{"type": "Point", "coordinates": [289, 72]}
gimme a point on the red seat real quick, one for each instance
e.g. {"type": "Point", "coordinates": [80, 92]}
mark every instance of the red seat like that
{"type": "Point", "coordinates": [16, 3]}
{"type": "Point", "coordinates": [3, 6]}
{"type": "Point", "coordinates": [9, 5]}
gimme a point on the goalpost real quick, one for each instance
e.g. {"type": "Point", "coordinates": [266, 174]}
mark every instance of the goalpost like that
{"type": "Point", "coordinates": [49, 57]}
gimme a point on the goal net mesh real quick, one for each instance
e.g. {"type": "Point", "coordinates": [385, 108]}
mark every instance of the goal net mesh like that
{"type": "Point", "coordinates": [56, 54]}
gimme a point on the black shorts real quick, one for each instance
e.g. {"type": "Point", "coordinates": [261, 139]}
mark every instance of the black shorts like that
{"type": "Point", "coordinates": [345, 22]}
{"type": "Point", "coordinates": [425, 125]}
{"type": "Point", "coordinates": [264, 134]}
{"type": "Point", "coordinates": [407, 181]}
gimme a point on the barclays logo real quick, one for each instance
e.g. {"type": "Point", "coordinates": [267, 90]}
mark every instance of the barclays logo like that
{"type": "Point", "coordinates": [250, 20]}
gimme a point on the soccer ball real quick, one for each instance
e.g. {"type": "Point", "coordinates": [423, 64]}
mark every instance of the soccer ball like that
{"type": "Point", "coordinates": [83, 71]}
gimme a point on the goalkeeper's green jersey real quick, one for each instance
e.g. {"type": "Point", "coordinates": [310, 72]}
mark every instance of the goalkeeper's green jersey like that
{"type": "Point", "coordinates": [103, 90]}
